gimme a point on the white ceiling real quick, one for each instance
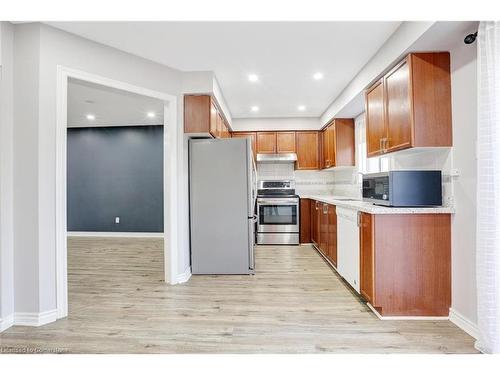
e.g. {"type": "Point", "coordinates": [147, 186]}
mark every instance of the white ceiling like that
{"type": "Point", "coordinates": [284, 55]}
{"type": "Point", "coordinates": [111, 107]}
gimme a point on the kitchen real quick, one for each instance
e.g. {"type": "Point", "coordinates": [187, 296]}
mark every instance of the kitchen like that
{"type": "Point", "coordinates": [311, 204]}
{"type": "Point", "coordinates": [391, 239]}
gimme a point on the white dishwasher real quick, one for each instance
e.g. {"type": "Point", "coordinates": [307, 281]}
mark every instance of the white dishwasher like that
{"type": "Point", "coordinates": [348, 246]}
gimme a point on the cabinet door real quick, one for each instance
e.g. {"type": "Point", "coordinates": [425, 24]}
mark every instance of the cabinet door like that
{"type": "Point", "coordinates": [323, 233]}
{"type": "Point", "coordinates": [285, 142]}
{"type": "Point", "coordinates": [305, 220]}
{"type": "Point", "coordinates": [251, 135]}
{"type": "Point", "coordinates": [398, 108]}
{"type": "Point", "coordinates": [315, 216]}
{"type": "Point", "coordinates": [307, 143]}
{"type": "Point", "coordinates": [375, 119]}
{"type": "Point", "coordinates": [344, 143]}
{"type": "Point", "coordinates": [266, 142]}
{"type": "Point", "coordinates": [326, 148]}
{"type": "Point", "coordinates": [332, 234]}
{"type": "Point", "coordinates": [213, 120]}
{"type": "Point", "coordinates": [367, 257]}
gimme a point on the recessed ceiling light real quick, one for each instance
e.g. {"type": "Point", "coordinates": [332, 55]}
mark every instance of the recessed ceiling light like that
{"type": "Point", "coordinates": [90, 117]}
{"type": "Point", "coordinates": [301, 107]}
{"type": "Point", "coordinates": [317, 76]}
{"type": "Point", "coordinates": [254, 108]}
{"type": "Point", "coordinates": [151, 114]}
{"type": "Point", "coordinates": [253, 77]}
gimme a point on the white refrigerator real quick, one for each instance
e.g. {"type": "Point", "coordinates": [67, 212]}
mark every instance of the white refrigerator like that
{"type": "Point", "coordinates": [222, 193]}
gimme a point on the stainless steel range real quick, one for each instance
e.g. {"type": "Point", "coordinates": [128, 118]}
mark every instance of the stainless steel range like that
{"type": "Point", "coordinates": [278, 213]}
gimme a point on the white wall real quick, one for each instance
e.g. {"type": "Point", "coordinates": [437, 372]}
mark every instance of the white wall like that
{"type": "Point", "coordinates": [390, 52]}
{"type": "Point", "coordinates": [464, 112]}
{"type": "Point", "coordinates": [39, 49]}
{"type": "Point", "coordinates": [6, 174]}
{"type": "Point", "coordinates": [279, 123]}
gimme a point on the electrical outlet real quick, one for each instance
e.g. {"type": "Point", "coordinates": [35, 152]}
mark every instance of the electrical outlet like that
{"type": "Point", "coordinates": [117, 220]}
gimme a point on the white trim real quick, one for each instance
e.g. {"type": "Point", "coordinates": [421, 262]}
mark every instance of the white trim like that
{"type": "Point", "coordinates": [35, 319]}
{"type": "Point", "coordinates": [117, 234]}
{"type": "Point", "coordinates": [170, 181]}
{"type": "Point", "coordinates": [405, 317]}
{"type": "Point", "coordinates": [6, 322]}
{"type": "Point", "coordinates": [464, 324]}
{"type": "Point", "coordinates": [185, 276]}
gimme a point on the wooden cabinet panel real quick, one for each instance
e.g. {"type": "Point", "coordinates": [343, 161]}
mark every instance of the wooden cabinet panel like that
{"type": "Point", "coordinates": [328, 149]}
{"type": "Point", "coordinates": [305, 220]}
{"type": "Point", "coordinates": [315, 221]}
{"type": "Point", "coordinates": [323, 231]}
{"type": "Point", "coordinates": [366, 258]}
{"type": "Point", "coordinates": [266, 142]}
{"type": "Point", "coordinates": [412, 263]}
{"type": "Point", "coordinates": [397, 107]}
{"type": "Point", "coordinates": [431, 91]}
{"type": "Point", "coordinates": [197, 113]}
{"type": "Point", "coordinates": [213, 120]}
{"type": "Point", "coordinates": [251, 135]}
{"type": "Point", "coordinates": [332, 234]}
{"type": "Point", "coordinates": [344, 143]}
{"type": "Point", "coordinates": [307, 144]}
{"type": "Point", "coordinates": [285, 142]}
{"type": "Point", "coordinates": [375, 119]}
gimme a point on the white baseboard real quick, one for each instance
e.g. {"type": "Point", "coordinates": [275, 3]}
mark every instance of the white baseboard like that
{"type": "Point", "coordinates": [28, 319]}
{"type": "Point", "coordinates": [6, 322]}
{"type": "Point", "coordinates": [35, 319]}
{"type": "Point", "coordinates": [405, 317]}
{"type": "Point", "coordinates": [463, 323]}
{"type": "Point", "coordinates": [117, 234]}
{"type": "Point", "coordinates": [183, 277]}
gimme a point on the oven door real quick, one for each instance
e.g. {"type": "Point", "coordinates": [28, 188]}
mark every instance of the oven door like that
{"type": "Point", "coordinates": [277, 215]}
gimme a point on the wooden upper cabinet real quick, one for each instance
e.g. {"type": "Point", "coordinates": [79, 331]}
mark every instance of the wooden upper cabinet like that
{"type": "Point", "coordinates": [397, 108]}
{"type": "Point", "coordinates": [338, 144]}
{"type": "Point", "coordinates": [366, 261]}
{"type": "Point", "coordinates": [327, 149]}
{"type": "Point", "coordinates": [266, 142]}
{"type": "Point", "coordinates": [214, 114]}
{"type": "Point", "coordinates": [344, 142]}
{"type": "Point", "coordinates": [251, 135]}
{"type": "Point", "coordinates": [203, 117]}
{"type": "Point", "coordinates": [285, 142]}
{"type": "Point", "coordinates": [411, 105]}
{"type": "Point", "coordinates": [375, 119]}
{"type": "Point", "coordinates": [307, 146]}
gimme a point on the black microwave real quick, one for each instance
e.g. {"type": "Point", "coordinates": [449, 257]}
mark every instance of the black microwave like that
{"type": "Point", "coordinates": [404, 188]}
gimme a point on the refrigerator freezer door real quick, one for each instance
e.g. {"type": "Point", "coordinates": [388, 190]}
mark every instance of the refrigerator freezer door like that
{"type": "Point", "coordinates": [218, 198]}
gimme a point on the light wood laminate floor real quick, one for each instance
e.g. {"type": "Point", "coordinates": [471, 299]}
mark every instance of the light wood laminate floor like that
{"type": "Point", "coordinates": [294, 303]}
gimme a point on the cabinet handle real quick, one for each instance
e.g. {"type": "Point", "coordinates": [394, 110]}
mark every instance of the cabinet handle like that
{"type": "Point", "coordinates": [325, 209]}
{"type": "Point", "coordinates": [359, 219]}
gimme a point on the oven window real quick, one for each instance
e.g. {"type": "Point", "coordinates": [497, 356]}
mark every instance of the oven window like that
{"type": "Point", "coordinates": [278, 214]}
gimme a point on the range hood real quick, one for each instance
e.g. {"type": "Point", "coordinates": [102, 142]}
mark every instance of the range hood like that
{"type": "Point", "coordinates": [277, 158]}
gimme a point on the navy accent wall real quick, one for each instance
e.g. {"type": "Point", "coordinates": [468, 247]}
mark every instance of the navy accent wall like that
{"type": "Point", "coordinates": [115, 171]}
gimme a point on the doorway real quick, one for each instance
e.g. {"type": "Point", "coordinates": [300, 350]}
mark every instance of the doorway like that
{"type": "Point", "coordinates": [170, 229]}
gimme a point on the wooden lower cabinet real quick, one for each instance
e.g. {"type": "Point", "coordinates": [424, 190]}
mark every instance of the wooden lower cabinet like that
{"type": "Point", "coordinates": [405, 263]}
{"type": "Point", "coordinates": [315, 221]}
{"type": "Point", "coordinates": [332, 235]}
{"type": "Point", "coordinates": [324, 229]}
{"type": "Point", "coordinates": [305, 220]}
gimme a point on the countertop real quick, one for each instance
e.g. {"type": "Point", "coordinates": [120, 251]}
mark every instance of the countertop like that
{"type": "Point", "coordinates": [371, 208]}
